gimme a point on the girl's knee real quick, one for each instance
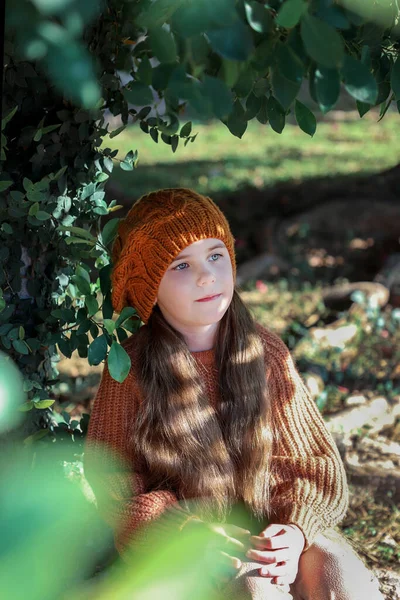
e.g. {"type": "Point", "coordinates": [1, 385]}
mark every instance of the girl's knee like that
{"type": "Point", "coordinates": [332, 569]}
{"type": "Point", "coordinates": [248, 584]}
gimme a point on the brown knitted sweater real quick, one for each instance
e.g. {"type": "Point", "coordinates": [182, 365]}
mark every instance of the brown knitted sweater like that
{"type": "Point", "coordinates": [308, 484]}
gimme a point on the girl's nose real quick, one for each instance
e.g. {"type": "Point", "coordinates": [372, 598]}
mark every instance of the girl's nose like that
{"type": "Point", "coordinates": [206, 276]}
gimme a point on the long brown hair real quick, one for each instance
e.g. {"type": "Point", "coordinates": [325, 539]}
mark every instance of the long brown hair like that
{"type": "Point", "coordinates": [211, 457]}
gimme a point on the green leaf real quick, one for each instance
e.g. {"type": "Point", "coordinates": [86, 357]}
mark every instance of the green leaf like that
{"type": "Point", "coordinates": [118, 362]}
{"type": "Point", "coordinates": [82, 272]}
{"type": "Point", "coordinates": [44, 403]}
{"type": "Point", "coordinates": [92, 305]}
{"type": "Point", "coordinates": [8, 117]}
{"type": "Point", "coordinates": [237, 122]}
{"type": "Point", "coordinates": [70, 68]}
{"type": "Point", "coordinates": [42, 215]}
{"type": "Point", "coordinates": [289, 65]}
{"type": "Point", "coordinates": [276, 114]}
{"type": "Point", "coordinates": [322, 43]}
{"type": "Point", "coordinates": [262, 115]}
{"type": "Point", "coordinates": [77, 231]}
{"type": "Point", "coordinates": [6, 227]}
{"type": "Point", "coordinates": [154, 134]}
{"type": "Point", "coordinates": [305, 118]}
{"type": "Point", "coordinates": [20, 346]}
{"type": "Point", "coordinates": [126, 313]}
{"type": "Point", "coordinates": [145, 71]}
{"type": "Point", "coordinates": [76, 240]}
{"type": "Point", "coordinates": [66, 314]}
{"type": "Point", "coordinates": [26, 406]}
{"type": "Point", "coordinates": [117, 131]}
{"type": "Point", "coordinates": [359, 81]}
{"type": "Point", "coordinates": [363, 108]}
{"type": "Point", "coordinates": [138, 93]}
{"type": "Point", "coordinates": [334, 16]}
{"type": "Point", "coordinates": [174, 142]}
{"type": "Point", "coordinates": [4, 185]}
{"type": "Point", "coordinates": [110, 231]}
{"type": "Point", "coordinates": [327, 87]}
{"type": "Point", "coordinates": [97, 350]}
{"type": "Point", "coordinates": [258, 16]}
{"type": "Point", "coordinates": [157, 13]}
{"type": "Point", "coordinates": [290, 13]}
{"type": "Point", "coordinates": [395, 79]}
{"type": "Point", "coordinates": [284, 90]}
{"type": "Point", "coordinates": [260, 88]}
{"type": "Point", "coordinates": [234, 42]}
{"type": "Point", "coordinates": [38, 435]}
{"type": "Point", "coordinates": [109, 326]}
{"type": "Point", "coordinates": [253, 105]}
{"type": "Point", "coordinates": [162, 43]}
{"type": "Point", "coordinates": [220, 96]}
{"type": "Point", "coordinates": [186, 129]}
{"type": "Point", "coordinates": [34, 209]}
{"type": "Point", "coordinates": [104, 276]}
{"type": "Point", "coordinates": [59, 173]}
{"type": "Point", "coordinates": [82, 284]}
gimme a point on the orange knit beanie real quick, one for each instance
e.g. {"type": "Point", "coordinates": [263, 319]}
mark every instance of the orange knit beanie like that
{"type": "Point", "coordinates": [156, 229]}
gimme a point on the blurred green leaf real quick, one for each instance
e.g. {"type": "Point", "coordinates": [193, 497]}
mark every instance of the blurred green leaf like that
{"type": "Point", "coordinates": [220, 96]}
{"type": "Point", "coordinates": [163, 44]}
{"type": "Point", "coordinates": [395, 79]}
{"type": "Point", "coordinates": [139, 93]}
{"type": "Point", "coordinates": [276, 114]}
{"type": "Point", "coordinates": [71, 70]}
{"type": "Point", "coordinates": [322, 43]}
{"type": "Point", "coordinates": [290, 13]}
{"type": "Point", "coordinates": [285, 91]}
{"type": "Point", "coordinates": [258, 16]}
{"type": "Point", "coordinates": [44, 403]}
{"type": "Point", "coordinates": [237, 122]}
{"type": "Point", "coordinates": [119, 362]}
{"type": "Point", "coordinates": [234, 42]}
{"type": "Point", "coordinates": [305, 118]}
{"type": "Point", "coordinates": [327, 87]}
{"type": "Point", "coordinates": [359, 81]}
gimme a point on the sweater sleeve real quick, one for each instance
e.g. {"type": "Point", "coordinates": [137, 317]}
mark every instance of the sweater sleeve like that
{"type": "Point", "coordinates": [308, 487]}
{"type": "Point", "coordinates": [109, 468]}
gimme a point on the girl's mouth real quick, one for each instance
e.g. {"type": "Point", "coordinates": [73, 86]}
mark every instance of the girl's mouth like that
{"type": "Point", "coordinates": [209, 298]}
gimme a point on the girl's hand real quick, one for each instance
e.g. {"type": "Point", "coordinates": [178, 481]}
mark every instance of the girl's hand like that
{"type": "Point", "coordinates": [280, 547]}
{"type": "Point", "coordinates": [224, 544]}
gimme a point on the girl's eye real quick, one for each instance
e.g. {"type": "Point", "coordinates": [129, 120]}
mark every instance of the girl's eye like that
{"type": "Point", "coordinates": [181, 264]}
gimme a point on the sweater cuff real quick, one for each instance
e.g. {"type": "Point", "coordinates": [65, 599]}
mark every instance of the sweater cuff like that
{"type": "Point", "coordinates": [145, 535]}
{"type": "Point", "coordinates": [306, 520]}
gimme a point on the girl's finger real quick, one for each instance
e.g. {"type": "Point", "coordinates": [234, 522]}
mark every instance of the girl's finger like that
{"type": "Point", "coordinates": [234, 530]}
{"type": "Point", "coordinates": [234, 543]}
{"type": "Point", "coordinates": [273, 543]}
{"type": "Point", "coordinates": [280, 570]}
{"type": "Point", "coordinates": [231, 561]}
{"type": "Point", "coordinates": [283, 580]}
{"type": "Point", "coordinates": [272, 530]}
{"type": "Point", "coordinates": [269, 556]}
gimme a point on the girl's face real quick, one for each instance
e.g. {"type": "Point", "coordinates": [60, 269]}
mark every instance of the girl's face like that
{"type": "Point", "coordinates": [202, 269]}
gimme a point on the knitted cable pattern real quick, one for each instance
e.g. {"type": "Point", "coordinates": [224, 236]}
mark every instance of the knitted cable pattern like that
{"type": "Point", "coordinates": [156, 229]}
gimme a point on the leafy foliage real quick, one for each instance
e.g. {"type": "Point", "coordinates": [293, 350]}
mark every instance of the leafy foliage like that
{"type": "Point", "coordinates": [70, 63]}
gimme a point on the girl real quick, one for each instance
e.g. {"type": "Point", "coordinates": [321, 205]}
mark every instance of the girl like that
{"type": "Point", "coordinates": [213, 416]}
